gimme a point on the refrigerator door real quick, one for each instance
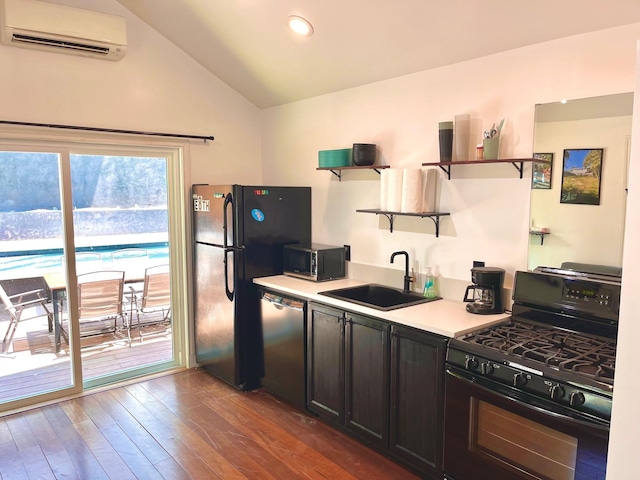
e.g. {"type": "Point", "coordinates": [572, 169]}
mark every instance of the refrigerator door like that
{"type": "Point", "coordinates": [217, 335]}
{"type": "Point", "coordinates": [272, 217]}
{"type": "Point", "coordinates": [213, 214]}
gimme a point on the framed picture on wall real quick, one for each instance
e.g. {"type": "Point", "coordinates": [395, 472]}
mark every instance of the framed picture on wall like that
{"type": "Point", "coordinates": [541, 172]}
{"type": "Point", "coordinates": [581, 171]}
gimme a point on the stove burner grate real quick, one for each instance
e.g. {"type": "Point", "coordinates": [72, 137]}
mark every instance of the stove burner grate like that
{"type": "Point", "coordinates": [583, 354]}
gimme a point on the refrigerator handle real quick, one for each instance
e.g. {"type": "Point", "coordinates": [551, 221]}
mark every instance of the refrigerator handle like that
{"type": "Point", "coordinates": [227, 200]}
{"type": "Point", "coordinates": [230, 294]}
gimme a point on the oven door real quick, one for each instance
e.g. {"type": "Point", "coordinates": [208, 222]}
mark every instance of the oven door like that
{"type": "Point", "coordinates": [492, 434]}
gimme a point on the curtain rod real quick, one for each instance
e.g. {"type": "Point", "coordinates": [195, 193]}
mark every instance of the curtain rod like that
{"type": "Point", "coordinates": [107, 130]}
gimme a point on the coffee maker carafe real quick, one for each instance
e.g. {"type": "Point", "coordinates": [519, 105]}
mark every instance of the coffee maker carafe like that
{"type": "Point", "coordinates": [485, 295]}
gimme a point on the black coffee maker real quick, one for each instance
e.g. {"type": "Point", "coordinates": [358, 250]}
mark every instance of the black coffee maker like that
{"type": "Point", "coordinates": [485, 295]}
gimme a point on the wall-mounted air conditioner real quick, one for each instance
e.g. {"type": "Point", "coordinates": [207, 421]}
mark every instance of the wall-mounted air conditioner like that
{"type": "Point", "coordinates": [58, 28]}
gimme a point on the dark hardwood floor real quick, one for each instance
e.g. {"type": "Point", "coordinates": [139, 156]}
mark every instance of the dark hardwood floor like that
{"type": "Point", "coordinates": [187, 425]}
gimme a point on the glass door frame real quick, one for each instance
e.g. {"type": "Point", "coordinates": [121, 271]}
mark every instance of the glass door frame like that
{"type": "Point", "coordinates": [177, 236]}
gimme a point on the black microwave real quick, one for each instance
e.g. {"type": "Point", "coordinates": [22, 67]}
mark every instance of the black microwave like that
{"type": "Point", "coordinates": [316, 262]}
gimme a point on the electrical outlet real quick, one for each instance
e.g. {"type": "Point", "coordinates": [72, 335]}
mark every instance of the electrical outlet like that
{"type": "Point", "coordinates": [476, 263]}
{"type": "Point", "coordinates": [347, 252]}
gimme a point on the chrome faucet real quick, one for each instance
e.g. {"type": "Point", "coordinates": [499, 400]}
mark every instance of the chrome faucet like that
{"type": "Point", "coordinates": [407, 278]}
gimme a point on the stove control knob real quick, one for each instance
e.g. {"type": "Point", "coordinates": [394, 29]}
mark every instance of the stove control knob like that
{"type": "Point", "coordinates": [576, 399]}
{"type": "Point", "coordinates": [486, 368]}
{"type": "Point", "coordinates": [471, 363]}
{"type": "Point", "coordinates": [519, 380]}
{"type": "Point", "coordinates": [557, 392]}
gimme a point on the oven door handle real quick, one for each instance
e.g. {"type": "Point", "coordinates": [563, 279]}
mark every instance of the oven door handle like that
{"type": "Point", "coordinates": [569, 419]}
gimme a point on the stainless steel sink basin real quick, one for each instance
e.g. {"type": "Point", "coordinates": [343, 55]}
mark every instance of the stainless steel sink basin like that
{"type": "Point", "coordinates": [379, 297]}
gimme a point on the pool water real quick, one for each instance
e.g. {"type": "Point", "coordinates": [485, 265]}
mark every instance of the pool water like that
{"type": "Point", "coordinates": [37, 264]}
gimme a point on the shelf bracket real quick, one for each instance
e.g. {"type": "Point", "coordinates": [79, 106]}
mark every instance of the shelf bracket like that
{"type": "Point", "coordinates": [434, 219]}
{"type": "Point", "coordinates": [377, 170]}
{"type": "Point", "coordinates": [446, 170]}
{"type": "Point", "coordinates": [337, 174]}
{"type": "Point", "coordinates": [541, 235]}
{"type": "Point", "coordinates": [520, 168]}
{"type": "Point", "coordinates": [436, 222]}
{"type": "Point", "coordinates": [390, 218]}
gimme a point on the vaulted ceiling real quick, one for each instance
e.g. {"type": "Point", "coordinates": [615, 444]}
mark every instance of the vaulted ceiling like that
{"type": "Point", "coordinates": [247, 44]}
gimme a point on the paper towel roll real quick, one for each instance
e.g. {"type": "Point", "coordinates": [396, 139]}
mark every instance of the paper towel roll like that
{"type": "Point", "coordinates": [394, 189]}
{"type": "Point", "coordinates": [384, 188]}
{"type": "Point", "coordinates": [429, 178]}
{"type": "Point", "coordinates": [411, 190]}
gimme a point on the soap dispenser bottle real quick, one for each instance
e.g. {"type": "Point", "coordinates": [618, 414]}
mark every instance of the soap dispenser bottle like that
{"type": "Point", "coordinates": [429, 284]}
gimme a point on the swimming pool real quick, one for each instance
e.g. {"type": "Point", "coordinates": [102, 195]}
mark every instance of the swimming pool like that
{"type": "Point", "coordinates": [36, 264]}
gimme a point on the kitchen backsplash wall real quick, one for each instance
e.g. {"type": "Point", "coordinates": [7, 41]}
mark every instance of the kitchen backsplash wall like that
{"type": "Point", "coordinates": [489, 204]}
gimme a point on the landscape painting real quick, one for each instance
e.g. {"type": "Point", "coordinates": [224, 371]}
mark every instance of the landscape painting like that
{"type": "Point", "coordinates": [581, 172]}
{"type": "Point", "coordinates": [541, 172]}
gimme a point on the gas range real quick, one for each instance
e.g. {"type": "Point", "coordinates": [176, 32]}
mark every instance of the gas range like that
{"type": "Point", "coordinates": [557, 349]}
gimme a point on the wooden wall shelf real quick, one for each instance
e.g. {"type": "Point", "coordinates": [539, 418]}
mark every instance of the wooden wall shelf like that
{"type": "Point", "coordinates": [434, 216]}
{"type": "Point", "coordinates": [518, 163]}
{"type": "Point", "coordinates": [337, 171]}
{"type": "Point", "coordinates": [541, 235]}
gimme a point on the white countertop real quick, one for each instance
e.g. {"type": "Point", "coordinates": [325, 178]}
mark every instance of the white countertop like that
{"type": "Point", "coordinates": [448, 318]}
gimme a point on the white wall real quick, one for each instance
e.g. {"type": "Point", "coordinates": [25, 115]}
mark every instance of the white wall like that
{"type": "Point", "coordinates": [489, 205]}
{"type": "Point", "coordinates": [156, 87]}
{"type": "Point", "coordinates": [624, 461]}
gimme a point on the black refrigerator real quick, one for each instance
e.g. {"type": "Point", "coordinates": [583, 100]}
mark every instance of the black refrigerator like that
{"type": "Point", "coordinates": [239, 233]}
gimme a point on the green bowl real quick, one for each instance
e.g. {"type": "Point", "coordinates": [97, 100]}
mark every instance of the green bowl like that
{"type": "Point", "coordinates": [334, 158]}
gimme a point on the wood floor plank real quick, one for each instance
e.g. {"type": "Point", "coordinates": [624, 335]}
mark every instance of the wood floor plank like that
{"type": "Point", "coordinates": [53, 449]}
{"type": "Point", "coordinates": [21, 432]}
{"type": "Point", "coordinates": [216, 462]}
{"type": "Point", "coordinates": [141, 440]}
{"type": "Point", "coordinates": [82, 457]}
{"type": "Point", "coordinates": [115, 442]}
{"type": "Point", "coordinates": [286, 448]}
{"type": "Point", "coordinates": [105, 452]}
{"type": "Point", "coordinates": [181, 452]}
{"type": "Point", "coordinates": [35, 463]}
{"type": "Point", "coordinates": [11, 465]}
{"type": "Point", "coordinates": [243, 452]}
{"type": "Point", "coordinates": [184, 426]}
{"type": "Point", "coordinates": [321, 437]}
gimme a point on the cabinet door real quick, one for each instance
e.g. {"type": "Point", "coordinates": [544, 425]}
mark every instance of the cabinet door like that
{"type": "Point", "coordinates": [325, 362]}
{"type": "Point", "coordinates": [417, 399]}
{"type": "Point", "coordinates": [367, 378]}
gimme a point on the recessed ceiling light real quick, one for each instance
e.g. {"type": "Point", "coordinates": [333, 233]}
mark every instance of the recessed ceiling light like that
{"type": "Point", "coordinates": [564, 100]}
{"type": "Point", "coordinates": [300, 26]}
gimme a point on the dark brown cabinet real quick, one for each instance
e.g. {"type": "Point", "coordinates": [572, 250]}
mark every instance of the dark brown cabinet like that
{"type": "Point", "coordinates": [367, 378]}
{"type": "Point", "coordinates": [348, 373]}
{"type": "Point", "coordinates": [325, 362]}
{"type": "Point", "coordinates": [417, 402]}
{"type": "Point", "coordinates": [383, 383]}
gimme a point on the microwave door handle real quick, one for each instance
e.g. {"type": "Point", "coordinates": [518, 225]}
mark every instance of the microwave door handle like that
{"type": "Point", "coordinates": [566, 418]}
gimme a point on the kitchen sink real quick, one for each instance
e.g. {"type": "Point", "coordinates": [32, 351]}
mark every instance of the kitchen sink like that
{"type": "Point", "coordinates": [379, 297]}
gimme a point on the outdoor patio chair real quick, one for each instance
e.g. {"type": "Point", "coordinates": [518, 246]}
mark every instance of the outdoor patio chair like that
{"type": "Point", "coordinates": [100, 301]}
{"type": "Point", "coordinates": [26, 305]}
{"type": "Point", "coordinates": [153, 303]}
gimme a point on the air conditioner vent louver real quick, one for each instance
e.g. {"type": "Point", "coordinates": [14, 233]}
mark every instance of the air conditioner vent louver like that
{"type": "Point", "coordinates": [59, 44]}
{"type": "Point", "coordinates": [57, 28]}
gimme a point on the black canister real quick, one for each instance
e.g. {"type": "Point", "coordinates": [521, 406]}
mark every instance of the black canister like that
{"type": "Point", "coordinates": [363, 154]}
{"type": "Point", "coordinates": [445, 130]}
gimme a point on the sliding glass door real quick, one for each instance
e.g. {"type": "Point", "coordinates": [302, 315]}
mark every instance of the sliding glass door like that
{"type": "Point", "coordinates": [33, 359]}
{"type": "Point", "coordinates": [85, 268]}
